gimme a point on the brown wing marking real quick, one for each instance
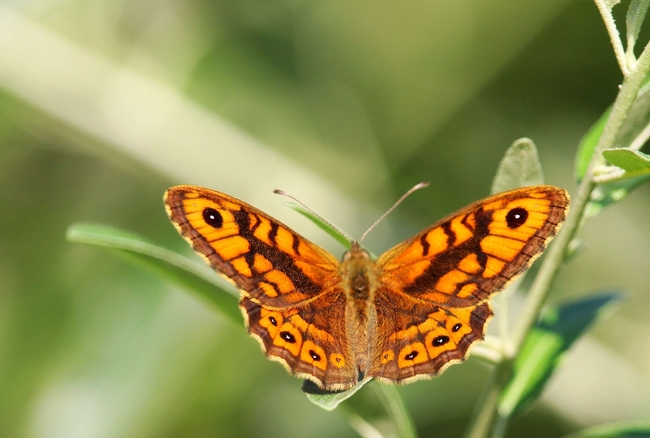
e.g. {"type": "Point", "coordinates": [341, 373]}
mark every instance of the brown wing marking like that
{"type": "Point", "coordinates": [467, 257]}
{"type": "Point", "coordinates": [270, 263]}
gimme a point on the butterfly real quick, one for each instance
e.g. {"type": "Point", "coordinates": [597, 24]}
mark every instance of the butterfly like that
{"type": "Point", "coordinates": [407, 315]}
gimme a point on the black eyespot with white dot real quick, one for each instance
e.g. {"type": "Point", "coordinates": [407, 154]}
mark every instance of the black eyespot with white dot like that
{"type": "Point", "coordinates": [314, 355]}
{"type": "Point", "coordinates": [440, 340]}
{"type": "Point", "coordinates": [516, 217]}
{"type": "Point", "coordinates": [288, 337]}
{"type": "Point", "coordinates": [412, 355]}
{"type": "Point", "coordinates": [212, 217]}
{"type": "Point", "coordinates": [273, 321]}
{"type": "Point", "coordinates": [456, 327]}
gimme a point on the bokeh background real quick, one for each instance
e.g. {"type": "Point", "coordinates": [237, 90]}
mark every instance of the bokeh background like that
{"type": "Point", "coordinates": [105, 104]}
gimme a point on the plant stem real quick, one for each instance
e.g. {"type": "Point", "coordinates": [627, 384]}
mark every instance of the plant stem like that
{"type": "Point", "coordinates": [483, 416]}
{"type": "Point", "coordinates": [483, 420]}
{"type": "Point", "coordinates": [614, 35]}
{"type": "Point", "coordinates": [392, 401]}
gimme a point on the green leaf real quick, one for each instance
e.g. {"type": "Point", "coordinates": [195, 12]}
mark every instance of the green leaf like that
{"type": "Point", "coordinates": [330, 229]}
{"type": "Point", "coordinates": [329, 400]}
{"type": "Point", "coordinates": [633, 131]}
{"type": "Point", "coordinates": [544, 346]}
{"type": "Point", "coordinates": [608, 193]}
{"type": "Point", "coordinates": [637, 172]}
{"type": "Point", "coordinates": [615, 430]}
{"type": "Point", "coordinates": [629, 160]}
{"type": "Point", "coordinates": [166, 264]}
{"type": "Point", "coordinates": [636, 13]}
{"type": "Point", "coordinates": [588, 145]}
{"type": "Point", "coordinates": [520, 167]}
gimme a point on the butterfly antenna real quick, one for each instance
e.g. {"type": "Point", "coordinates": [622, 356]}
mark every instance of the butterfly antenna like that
{"type": "Point", "coordinates": [316, 215]}
{"type": "Point", "coordinates": [398, 202]}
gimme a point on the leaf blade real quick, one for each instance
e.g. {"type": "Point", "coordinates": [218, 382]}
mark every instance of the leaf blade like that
{"type": "Point", "coordinates": [552, 336]}
{"type": "Point", "coordinates": [588, 144]}
{"type": "Point", "coordinates": [162, 262]}
{"type": "Point", "coordinates": [614, 430]}
{"type": "Point", "coordinates": [519, 167]}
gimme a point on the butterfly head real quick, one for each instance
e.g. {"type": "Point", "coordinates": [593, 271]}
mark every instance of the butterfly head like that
{"type": "Point", "coordinates": [356, 252]}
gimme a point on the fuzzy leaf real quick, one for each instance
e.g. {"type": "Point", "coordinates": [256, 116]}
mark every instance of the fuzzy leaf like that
{"type": "Point", "coordinates": [634, 128]}
{"type": "Point", "coordinates": [637, 172]}
{"type": "Point", "coordinates": [636, 13]}
{"type": "Point", "coordinates": [629, 160]}
{"type": "Point", "coordinates": [520, 167]}
{"type": "Point", "coordinates": [611, 192]}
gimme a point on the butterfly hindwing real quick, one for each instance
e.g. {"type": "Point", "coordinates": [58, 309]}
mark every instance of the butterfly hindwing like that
{"type": "Point", "coordinates": [419, 340]}
{"type": "Point", "coordinates": [310, 340]}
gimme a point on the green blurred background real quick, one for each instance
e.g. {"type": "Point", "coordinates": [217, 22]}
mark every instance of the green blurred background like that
{"type": "Point", "coordinates": [105, 104]}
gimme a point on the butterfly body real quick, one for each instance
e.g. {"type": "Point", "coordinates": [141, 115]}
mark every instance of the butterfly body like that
{"type": "Point", "coordinates": [408, 315]}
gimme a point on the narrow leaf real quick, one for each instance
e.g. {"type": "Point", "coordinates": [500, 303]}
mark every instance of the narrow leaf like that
{"type": "Point", "coordinates": [329, 400]}
{"type": "Point", "coordinates": [337, 234]}
{"type": "Point", "coordinates": [588, 145]}
{"type": "Point", "coordinates": [162, 262]}
{"type": "Point", "coordinates": [615, 430]}
{"type": "Point", "coordinates": [636, 13]}
{"type": "Point", "coordinates": [606, 194]}
{"type": "Point", "coordinates": [557, 330]}
{"type": "Point", "coordinates": [520, 167]}
{"type": "Point", "coordinates": [637, 172]}
{"type": "Point", "coordinates": [628, 160]}
{"type": "Point", "coordinates": [637, 120]}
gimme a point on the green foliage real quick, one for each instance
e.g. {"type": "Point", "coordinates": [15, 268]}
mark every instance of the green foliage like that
{"type": "Point", "coordinates": [555, 332]}
{"type": "Point", "coordinates": [588, 145]}
{"type": "Point", "coordinates": [101, 111]}
{"type": "Point", "coordinates": [160, 261]}
{"type": "Point", "coordinates": [520, 167]}
{"type": "Point", "coordinates": [330, 401]}
{"type": "Point", "coordinates": [615, 430]}
{"type": "Point", "coordinates": [330, 229]}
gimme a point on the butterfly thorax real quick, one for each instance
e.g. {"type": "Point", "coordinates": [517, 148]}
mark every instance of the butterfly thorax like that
{"type": "Point", "coordinates": [359, 284]}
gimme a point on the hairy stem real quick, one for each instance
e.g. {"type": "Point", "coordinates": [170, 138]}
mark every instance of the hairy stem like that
{"type": "Point", "coordinates": [614, 36]}
{"type": "Point", "coordinates": [483, 420]}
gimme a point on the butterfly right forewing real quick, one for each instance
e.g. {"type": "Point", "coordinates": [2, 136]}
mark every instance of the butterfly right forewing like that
{"type": "Point", "coordinates": [467, 257]}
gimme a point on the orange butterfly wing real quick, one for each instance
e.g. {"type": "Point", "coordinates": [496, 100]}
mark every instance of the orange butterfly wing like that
{"type": "Point", "coordinates": [431, 302]}
{"type": "Point", "coordinates": [292, 299]}
{"type": "Point", "coordinates": [426, 298]}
